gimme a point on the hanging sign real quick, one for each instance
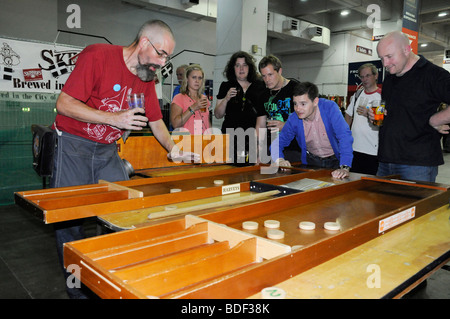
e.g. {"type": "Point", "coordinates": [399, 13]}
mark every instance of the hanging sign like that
{"type": "Point", "coordinates": [363, 50]}
{"type": "Point", "coordinates": [410, 22]}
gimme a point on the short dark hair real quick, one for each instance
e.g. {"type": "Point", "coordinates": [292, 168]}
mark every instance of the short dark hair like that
{"type": "Point", "coordinates": [306, 88]}
{"type": "Point", "coordinates": [158, 25]}
{"type": "Point", "coordinates": [250, 60]}
{"type": "Point", "coordinates": [270, 59]}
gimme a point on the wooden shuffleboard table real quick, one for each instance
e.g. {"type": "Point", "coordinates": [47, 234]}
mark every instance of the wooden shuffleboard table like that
{"type": "Point", "coordinates": [211, 255]}
{"type": "Point", "coordinates": [68, 203]}
{"type": "Point", "coordinates": [249, 192]}
{"type": "Point", "coordinates": [194, 243]}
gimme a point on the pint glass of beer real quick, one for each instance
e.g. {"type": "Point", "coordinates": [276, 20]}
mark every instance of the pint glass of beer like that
{"type": "Point", "coordinates": [378, 112]}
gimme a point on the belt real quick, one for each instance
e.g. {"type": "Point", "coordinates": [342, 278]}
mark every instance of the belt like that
{"type": "Point", "coordinates": [321, 158]}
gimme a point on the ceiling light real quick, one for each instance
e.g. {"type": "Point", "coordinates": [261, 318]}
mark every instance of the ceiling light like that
{"type": "Point", "coordinates": [345, 12]}
{"type": "Point", "coordinates": [423, 45]}
{"type": "Point", "coordinates": [442, 14]}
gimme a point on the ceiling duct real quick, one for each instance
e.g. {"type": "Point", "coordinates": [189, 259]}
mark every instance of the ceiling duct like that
{"type": "Point", "coordinates": [314, 31]}
{"type": "Point", "coordinates": [190, 2]}
{"type": "Point", "coordinates": [192, 9]}
{"type": "Point", "coordinates": [291, 25]}
{"type": "Point", "coordinates": [292, 36]}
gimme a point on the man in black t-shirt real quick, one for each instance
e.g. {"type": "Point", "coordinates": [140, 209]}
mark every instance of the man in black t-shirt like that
{"type": "Point", "coordinates": [413, 88]}
{"type": "Point", "coordinates": [274, 106]}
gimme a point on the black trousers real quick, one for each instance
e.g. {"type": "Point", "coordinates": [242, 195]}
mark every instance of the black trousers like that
{"type": "Point", "coordinates": [324, 162]}
{"type": "Point", "coordinates": [364, 163]}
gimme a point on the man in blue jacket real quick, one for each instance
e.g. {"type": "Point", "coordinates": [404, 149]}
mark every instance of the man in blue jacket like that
{"type": "Point", "coordinates": [321, 131]}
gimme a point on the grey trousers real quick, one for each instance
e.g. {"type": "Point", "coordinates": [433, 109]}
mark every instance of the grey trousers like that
{"type": "Point", "coordinates": [79, 161]}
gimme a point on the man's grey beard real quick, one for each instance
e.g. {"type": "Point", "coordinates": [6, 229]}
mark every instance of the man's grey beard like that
{"type": "Point", "coordinates": [144, 73]}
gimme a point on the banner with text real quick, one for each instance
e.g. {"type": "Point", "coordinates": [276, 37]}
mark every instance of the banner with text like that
{"type": "Point", "coordinates": [27, 66]}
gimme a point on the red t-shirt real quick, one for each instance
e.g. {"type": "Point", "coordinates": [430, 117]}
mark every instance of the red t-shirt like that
{"type": "Point", "coordinates": [101, 80]}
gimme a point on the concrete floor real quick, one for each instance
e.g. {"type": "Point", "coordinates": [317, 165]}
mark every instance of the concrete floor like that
{"type": "Point", "coordinates": [29, 267]}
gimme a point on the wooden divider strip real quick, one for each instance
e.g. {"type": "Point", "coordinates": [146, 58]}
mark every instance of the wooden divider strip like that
{"type": "Point", "coordinates": [133, 193]}
{"type": "Point", "coordinates": [85, 199]}
{"type": "Point", "coordinates": [134, 272]}
{"type": "Point", "coordinates": [266, 248]}
{"type": "Point", "coordinates": [406, 183]}
{"type": "Point", "coordinates": [40, 194]}
{"type": "Point", "coordinates": [145, 253]}
{"type": "Point", "coordinates": [242, 255]}
{"type": "Point", "coordinates": [135, 245]}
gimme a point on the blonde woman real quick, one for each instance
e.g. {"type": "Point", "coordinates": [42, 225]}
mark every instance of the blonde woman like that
{"type": "Point", "coordinates": [190, 108]}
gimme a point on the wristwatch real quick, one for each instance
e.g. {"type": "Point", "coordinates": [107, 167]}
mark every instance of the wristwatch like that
{"type": "Point", "coordinates": [345, 167]}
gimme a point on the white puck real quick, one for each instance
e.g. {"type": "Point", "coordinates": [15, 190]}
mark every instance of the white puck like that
{"type": "Point", "coordinates": [307, 225]}
{"type": "Point", "coordinates": [275, 234]}
{"type": "Point", "coordinates": [273, 293]}
{"type": "Point", "coordinates": [250, 225]}
{"type": "Point", "coordinates": [201, 187]}
{"type": "Point", "coordinates": [218, 182]}
{"type": "Point", "coordinates": [331, 226]}
{"type": "Point", "coordinates": [175, 190]}
{"type": "Point", "coordinates": [270, 223]}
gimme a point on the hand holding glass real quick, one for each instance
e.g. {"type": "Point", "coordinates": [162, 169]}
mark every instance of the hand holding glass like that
{"type": "Point", "coordinates": [136, 100]}
{"type": "Point", "coordinates": [378, 112]}
{"type": "Point", "coordinates": [203, 103]}
{"type": "Point", "coordinates": [362, 106]}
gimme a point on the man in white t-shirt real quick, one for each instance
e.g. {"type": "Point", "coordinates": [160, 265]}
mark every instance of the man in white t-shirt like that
{"type": "Point", "coordinates": [365, 134]}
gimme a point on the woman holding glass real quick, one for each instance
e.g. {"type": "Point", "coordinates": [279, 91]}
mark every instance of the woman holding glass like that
{"type": "Point", "coordinates": [237, 99]}
{"type": "Point", "coordinates": [190, 108]}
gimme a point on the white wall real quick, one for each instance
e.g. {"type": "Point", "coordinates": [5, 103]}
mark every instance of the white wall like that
{"type": "Point", "coordinates": [328, 69]}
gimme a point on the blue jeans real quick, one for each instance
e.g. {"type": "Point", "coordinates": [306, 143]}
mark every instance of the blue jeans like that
{"type": "Point", "coordinates": [410, 172]}
{"type": "Point", "coordinates": [79, 161]}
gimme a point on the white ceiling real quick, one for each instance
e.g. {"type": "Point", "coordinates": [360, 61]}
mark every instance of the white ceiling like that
{"type": "Point", "coordinates": [434, 30]}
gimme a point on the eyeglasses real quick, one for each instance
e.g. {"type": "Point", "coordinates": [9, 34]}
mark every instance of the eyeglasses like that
{"type": "Point", "coordinates": [162, 55]}
{"type": "Point", "coordinates": [366, 76]}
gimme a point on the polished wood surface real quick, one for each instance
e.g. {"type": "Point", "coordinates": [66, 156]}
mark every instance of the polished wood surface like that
{"type": "Point", "coordinates": [181, 170]}
{"type": "Point", "coordinates": [139, 218]}
{"type": "Point", "coordinates": [144, 152]}
{"type": "Point", "coordinates": [359, 207]}
{"type": "Point", "coordinates": [228, 177]}
{"type": "Point", "coordinates": [349, 209]}
{"type": "Point", "coordinates": [396, 257]}
{"type": "Point", "coordinates": [68, 203]}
